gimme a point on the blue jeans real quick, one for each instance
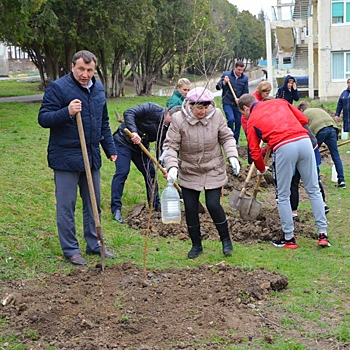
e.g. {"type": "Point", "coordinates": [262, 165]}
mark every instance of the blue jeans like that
{"type": "Point", "coordinates": [122, 164]}
{"type": "Point", "coordinates": [233, 116]}
{"type": "Point", "coordinates": [328, 135]}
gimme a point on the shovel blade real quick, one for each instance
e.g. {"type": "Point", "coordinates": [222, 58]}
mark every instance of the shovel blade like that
{"type": "Point", "coordinates": [250, 209]}
{"type": "Point", "coordinates": [236, 199]}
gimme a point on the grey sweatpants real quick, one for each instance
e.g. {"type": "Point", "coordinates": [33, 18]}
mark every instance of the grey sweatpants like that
{"type": "Point", "coordinates": [67, 183]}
{"type": "Point", "coordinates": [298, 154]}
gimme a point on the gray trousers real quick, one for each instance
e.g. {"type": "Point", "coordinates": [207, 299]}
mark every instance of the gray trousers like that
{"type": "Point", "coordinates": [66, 184]}
{"type": "Point", "coordinates": [300, 155]}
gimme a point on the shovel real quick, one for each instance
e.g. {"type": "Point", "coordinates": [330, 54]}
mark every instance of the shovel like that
{"type": "Point", "coordinates": [233, 91]}
{"type": "Point", "coordinates": [250, 208]}
{"type": "Point", "coordinates": [236, 196]}
{"type": "Point", "coordinates": [339, 144]}
{"type": "Point", "coordinates": [201, 209]}
{"type": "Point", "coordinates": [91, 189]}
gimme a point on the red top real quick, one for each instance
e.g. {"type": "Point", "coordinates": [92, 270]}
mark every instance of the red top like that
{"type": "Point", "coordinates": [276, 122]}
{"type": "Point", "coordinates": [244, 120]}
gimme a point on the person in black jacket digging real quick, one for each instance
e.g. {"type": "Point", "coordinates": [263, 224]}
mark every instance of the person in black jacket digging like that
{"type": "Point", "coordinates": [148, 123]}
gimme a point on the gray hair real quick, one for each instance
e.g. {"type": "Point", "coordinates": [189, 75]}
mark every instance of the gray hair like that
{"type": "Point", "coordinates": [87, 57]}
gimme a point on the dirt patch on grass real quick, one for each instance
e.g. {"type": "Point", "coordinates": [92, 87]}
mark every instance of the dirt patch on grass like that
{"type": "Point", "coordinates": [202, 308]}
{"type": "Point", "coordinates": [209, 307]}
{"type": "Point", "coordinates": [266, 228]}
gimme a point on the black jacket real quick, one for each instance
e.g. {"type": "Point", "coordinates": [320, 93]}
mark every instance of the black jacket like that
{"type": "Point", "coordinates": [146, 119]}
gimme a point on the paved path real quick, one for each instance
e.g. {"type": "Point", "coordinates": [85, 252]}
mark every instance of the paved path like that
{"type": "Point", "coordinates": [30, 98]}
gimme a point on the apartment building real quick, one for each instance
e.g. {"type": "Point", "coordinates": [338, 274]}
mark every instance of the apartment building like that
{"type": "Point", "coordinates": [312, 45]}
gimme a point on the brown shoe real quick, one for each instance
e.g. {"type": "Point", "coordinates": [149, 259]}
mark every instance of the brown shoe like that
{"type": "Point", "coordinates": [77, 259]}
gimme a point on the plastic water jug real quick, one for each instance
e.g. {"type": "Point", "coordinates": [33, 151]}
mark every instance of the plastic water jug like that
{"type": "Point", "coordinates": [170, 201]}
{"type": "Point", "coordinates": [344, 135]}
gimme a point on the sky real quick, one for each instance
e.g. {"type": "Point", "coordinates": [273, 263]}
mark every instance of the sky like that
{"type": "Point", "coordinates": [254, 6]}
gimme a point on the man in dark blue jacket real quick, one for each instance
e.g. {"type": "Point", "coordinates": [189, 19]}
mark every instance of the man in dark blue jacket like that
{"type": "Point", "coordinates": [344, 105]}
{"type": "Point", "coordinates": [76, 92]}
{"type": "Point", "coordinates": [148, 123]}
{"type": "Point", "coordinates": [239, 84]}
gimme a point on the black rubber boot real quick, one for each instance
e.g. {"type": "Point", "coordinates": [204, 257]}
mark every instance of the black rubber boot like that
{"type": "Point", "coordinates": [225, 238]}
{"type": "Point", "coordinates": [196, 239]}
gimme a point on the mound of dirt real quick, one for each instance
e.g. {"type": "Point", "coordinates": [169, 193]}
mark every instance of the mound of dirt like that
{"type": "Point", "coordinates": [266, 228]}
{"type": "Point", "coordinates": [124, 308]}
{"type": "Point", "coordinates": [210, 307]}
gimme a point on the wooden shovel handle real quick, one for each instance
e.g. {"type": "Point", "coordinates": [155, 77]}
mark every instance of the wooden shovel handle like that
{"type": "Point", "coordinates": [339, 144]}
{"type": "Point", "coordinates": [258, 182]}
{"type": "Point", "coordinates": [150, 156]}
{"type": "Point", "coordinates": [233, 91]}
{"type": "Point", "coordinates": [249, 175]}
{"type": "Point", "coordinates": [91, 187]}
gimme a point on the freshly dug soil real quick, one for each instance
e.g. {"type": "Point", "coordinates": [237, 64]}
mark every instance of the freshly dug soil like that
{"type": "Point", "coordinates": [210, 307]}
{"type": "Point", "coordinates": [123, 309]}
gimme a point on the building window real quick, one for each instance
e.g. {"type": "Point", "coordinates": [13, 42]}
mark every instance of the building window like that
{"type": "Point", "coordinates": [340, 11]}
{"type": "Point", "coordinates": [340, 65]}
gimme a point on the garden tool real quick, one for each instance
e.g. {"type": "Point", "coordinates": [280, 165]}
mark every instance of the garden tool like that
{"type": "Point", "coordinates": [233, 91]}
{"type": "Point", "coordinates": [91, 188]}
{"type": "Point", "coordinates": [339, 144]}
{"type": "Point", "coordinates": [158, 165]}
{"type": "Point", "coordinates": [250, 207]}
{"type": "Point", "coordinates": [236, 195]}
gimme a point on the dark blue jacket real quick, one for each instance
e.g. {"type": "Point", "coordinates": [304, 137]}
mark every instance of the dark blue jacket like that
{"type": "Point", "coordinates": [284, 92]}
{"type": "Point", "coordinates": [240, 87]}
{"type": "Point", "coordinates": [344, 105]}
{"type": "Point", "coordinates": [146, 119]}
{"type": "Point", "coordinates": [64, 150]}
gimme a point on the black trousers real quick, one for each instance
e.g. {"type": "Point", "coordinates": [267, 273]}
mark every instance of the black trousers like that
{"type": "Point", "coordinates": [212, 201]}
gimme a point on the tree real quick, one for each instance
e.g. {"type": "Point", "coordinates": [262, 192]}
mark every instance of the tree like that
{"type": "Point", "coordinates": [252, 45]}
{"type": "Point", "coordinates": [169, 34]}
{"type": "Point", "coordinates": [215, 49]}
{"type": "Point", "coordinates": [138, 37]}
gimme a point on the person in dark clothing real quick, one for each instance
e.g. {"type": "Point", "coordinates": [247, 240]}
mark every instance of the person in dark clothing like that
{"type": "Point", "coordinates": [148, 123]}
{"type": "Point", "coordinates": [344, 105]}
{"type": "Point", "coordinates": [294, 188]}
{"type": "Point", "coordinates": [239, 83]}
{"type": "Point", "coordinates": [289, 90]}
{"type": "Point", "coordinates": [77, 91]}
{"type": "Point", "coordinates": [326, 131]}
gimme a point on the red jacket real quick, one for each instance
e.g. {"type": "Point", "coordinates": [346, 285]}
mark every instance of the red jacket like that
{"type": "Point", "coordinates": [276, 122]}
{"type": "Point", "coordinates": [244, 120]}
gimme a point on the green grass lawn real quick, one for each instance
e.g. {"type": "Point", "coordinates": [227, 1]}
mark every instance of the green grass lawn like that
{"type": "Point", "coordinates": [318, 279]}
{"type": "Point", "coordinates": [19, 87]}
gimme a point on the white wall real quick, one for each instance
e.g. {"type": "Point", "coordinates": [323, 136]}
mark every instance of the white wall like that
{"type": "Point", "coordinates": [330, 39]}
